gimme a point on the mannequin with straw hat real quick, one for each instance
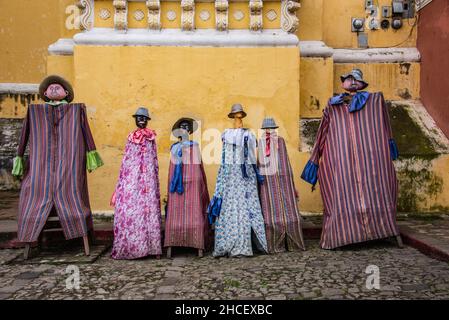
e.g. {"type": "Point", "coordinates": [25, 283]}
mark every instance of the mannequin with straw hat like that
{"type": "Point", "coordinates": [235, 207]}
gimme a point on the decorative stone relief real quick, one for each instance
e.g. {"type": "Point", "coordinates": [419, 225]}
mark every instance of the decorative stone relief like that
{"type": "Point", "coordinates": [289, 20]}
{"type": "Point", "coordinates": [188, 15]}
{"type": "Point", "coordinates": [204, 15]}
{"type": "Point", "coordinates": [238, 15]}
{"type": "Point", "coordinates": [221, 15]}
{"type": "Point", "coordinates": [271, 15]}
{"type": "Point", "coordinates": [121, 14]}
{"type": "Point", "coordinates": [255, 15]}
{"type": "Point", "coordinates": [86, 20]}
{"type": "Point", "coordinates": [104, 14]}
{"type": "Point", "coordinates": [171, 15]}
{"type": "Point", "coordinates": [154, 14]}
{"type": "Point", "coordinates": [139, 15]}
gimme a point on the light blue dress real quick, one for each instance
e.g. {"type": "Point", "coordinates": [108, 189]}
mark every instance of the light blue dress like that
{"type": "Point", "coordinates": [240, 212]}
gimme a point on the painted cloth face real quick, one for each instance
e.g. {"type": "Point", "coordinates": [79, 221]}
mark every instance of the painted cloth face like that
{"type": "Point", "coordinates": [141, 122]}
{"type": "Point", "coordinates": [352, 85]}
{"type": "Point", "coordinates": [56, 92]}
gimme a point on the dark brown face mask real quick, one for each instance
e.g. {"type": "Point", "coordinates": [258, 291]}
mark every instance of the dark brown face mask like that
{"type": "Point", "coordinates": [184, 130]}
{"type": "Point", "coordinates": [141, 122]}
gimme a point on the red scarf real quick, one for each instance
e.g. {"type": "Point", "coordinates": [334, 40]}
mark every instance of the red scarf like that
{"type": "Point", "coordinates": [267, 144]}
{"type": "Point", "coordinates": [139, 135]}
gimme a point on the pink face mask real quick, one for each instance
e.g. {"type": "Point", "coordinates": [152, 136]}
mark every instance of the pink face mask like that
{"type": "Point", "coordinates": [352, 85]}
{"type": "Point", "coordinates": [56, 92]}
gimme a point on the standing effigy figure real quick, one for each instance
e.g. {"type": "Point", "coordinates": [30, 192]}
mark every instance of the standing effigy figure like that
{"type": "Point", "coordinates": [137, 216]}
{"type": "Point", "coordinates": [353, 161]}
{"type": "Point", "coordinates": [61, 147]}
{"type": "Point", "coordinates": [186, 222]}
{"type": "Point", "coordinates": [235, 204]}
{"type": "Point", "coordinates": [278, 194]}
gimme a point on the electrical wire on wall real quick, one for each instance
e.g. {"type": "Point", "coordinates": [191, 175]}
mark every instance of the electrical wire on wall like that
{"type": "Point", "coordinates": [413, 26]}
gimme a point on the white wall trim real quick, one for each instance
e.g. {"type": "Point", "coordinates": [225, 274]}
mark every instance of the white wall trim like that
{"type": "Point", "coordinates": [19, 88]}
{"type": "Point", "coordinates": [62, 47]}
{"type": "Point", "coordinates": [386, 55]}
{"type": "Point", "coordinates": [315, 49]}
{"type": "Point", "coordinates": [197, 38]}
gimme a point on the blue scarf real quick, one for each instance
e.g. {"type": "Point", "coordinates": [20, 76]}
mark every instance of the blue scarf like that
{"type": "Point", "coordinates": [357, 103]}
{"type": "Point", "coordinates": [176, 179]}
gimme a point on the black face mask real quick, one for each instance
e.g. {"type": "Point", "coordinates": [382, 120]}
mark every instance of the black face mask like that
{"type": "Point", "coordinates": [141, 121]}
{"type": "Point", "coordinates": [183, 130]}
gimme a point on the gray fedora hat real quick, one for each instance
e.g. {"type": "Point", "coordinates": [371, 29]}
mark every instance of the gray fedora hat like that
{"type": "Point", "coordinates": [357, 74]}
{"type": "Point", "coordinates": [269, 123]}
{"type": "Point", "coordinates": [235, 109]}
{"type": "Point", "coordinates": [141, 111]}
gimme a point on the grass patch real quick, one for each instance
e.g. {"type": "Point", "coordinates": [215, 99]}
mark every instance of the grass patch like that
{"type": "Point", "coordinates": [232, 283]}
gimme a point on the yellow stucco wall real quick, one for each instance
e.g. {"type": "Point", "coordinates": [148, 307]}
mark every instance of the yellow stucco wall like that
{"type": "Point", "coordinates": [337, 26]}
{"type": "Point", "coordinates": [396, 80]}
{"type": "Point", "coordinates": [199, 82]}
{"type": "Point", "coordinates": [114, 81]}
{"type": "Point", "coordinates": [22, 55]}
{"type": "Point", "coordinates": [61, 65]}
{"type": "Point", "coordinates": [15, 106]}
{"type": "Point", "coordinates": [317, 81]}
{"type": "Point", "coordinates": [310, 20]}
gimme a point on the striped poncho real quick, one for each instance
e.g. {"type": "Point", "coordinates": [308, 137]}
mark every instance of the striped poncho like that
{"type": "Point", "coordinates": [278, 196]}
{"type": "Point", "coordinates": [186, 219]}
{"type": "Point", "coordinates": [59, 141]}
{"type": "Point", "coordinates": [352, 160]}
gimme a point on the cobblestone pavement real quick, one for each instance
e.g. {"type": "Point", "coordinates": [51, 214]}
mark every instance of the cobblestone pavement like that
{"type": "Point", "coordinates": [312, 274]}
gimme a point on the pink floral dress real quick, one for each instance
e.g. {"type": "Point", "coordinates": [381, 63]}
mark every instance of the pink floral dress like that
{"type": "Point", "coordinates": [137, 217]}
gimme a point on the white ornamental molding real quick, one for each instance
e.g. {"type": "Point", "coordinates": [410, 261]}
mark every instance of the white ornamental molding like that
{"type": "Point", "coordinates": [171, 15]}
{"type": "Point", "coordinates": [121, 14]}
{"type": "Point", "coordinates": [187, 15]}
{"type": "Point", "coordinates": [86, 19]}
{"type": "Point", "coordinates": [238, 15]}
{"type": "Point", "coordinates": [255, 11]}
{"type": "Point", "coordinates": [221, 15]}
{"type": "Point", "coordinates": [271, 15]}
{"type": "Point", "coordinates": [154, 14]}
{"type": "Point", "coordinates": [139, 15]}
{"type": "Point", "coordinates": [104, 14]}
{"type": "Point", "coordinates": [204, 15]}
{"type": "Point", "coordinates": [421, 4]}
{"type": "Point", "coordinates": [289, 20]}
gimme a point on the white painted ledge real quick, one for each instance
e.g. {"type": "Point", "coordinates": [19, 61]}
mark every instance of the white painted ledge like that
{"type": "Point", "coordinates": [386, 55]}
{"type": "Point", "coordinates": [197, 38]}
{"type": "Point", "coordinates": [19, 88]}
{"type": "Point", "coordinates": [62, 47]}
{"type": "Point", "coordinates": [317, 49]}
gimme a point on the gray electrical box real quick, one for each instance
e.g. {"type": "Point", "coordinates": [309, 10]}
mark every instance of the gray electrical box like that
{"type": "Point", "coordinates": [362, 39]}
{"type": "Point", "coordinates": [398, 6]}
{"type": "Point", "coordinates": [403, 8]}
{"type": "Point", "coordinates": [368, 3]}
